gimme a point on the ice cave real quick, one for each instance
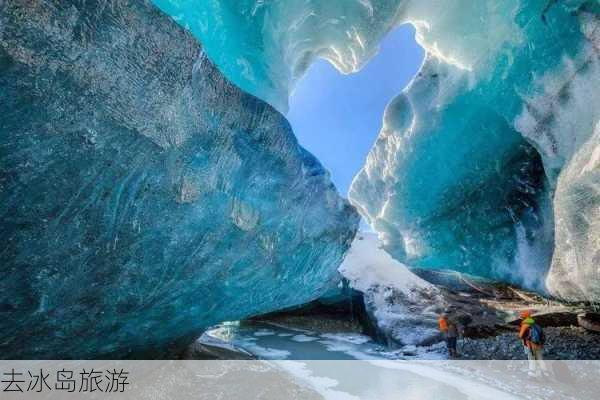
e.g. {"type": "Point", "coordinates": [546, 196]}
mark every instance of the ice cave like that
{"type": "Point", "coordinates": [474, 192]}
{"type": "Point", "coordinates": [152, 185]}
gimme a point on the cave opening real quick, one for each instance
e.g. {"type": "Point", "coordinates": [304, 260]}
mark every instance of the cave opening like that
{"type": "Point", "coordinates": [338, 117]}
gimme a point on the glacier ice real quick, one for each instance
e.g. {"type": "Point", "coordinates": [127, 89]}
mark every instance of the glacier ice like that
{"type": "Point", "coordinates": [404, 306]}
{"type": "Point", "coordinates": [143, 196]}
{"type": "Point", "coordinates": [461, 175]}
{"type": "Point", "coordinates": [575, 270]}
{"type": "Point", "coordinates": [266, 46]}
{"type": "Point", "coordinates": [562, 118]}
{"type": "Point", "coordinates": [465, 171]}
{"type": "Point", "coordinates": [442, 191]}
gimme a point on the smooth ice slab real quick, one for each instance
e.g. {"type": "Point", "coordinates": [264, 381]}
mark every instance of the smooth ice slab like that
{"type": "Point", "coordinates": [144, 197]}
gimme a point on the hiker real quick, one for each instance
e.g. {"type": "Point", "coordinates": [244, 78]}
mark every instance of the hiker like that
{"type": "Point", "coordinates": [450, 330]}
{"type": "Point", "coordinates": [533, 339]}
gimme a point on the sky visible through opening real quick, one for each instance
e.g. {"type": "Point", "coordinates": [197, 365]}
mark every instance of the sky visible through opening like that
{"type": "Point", "coordinates": [338, 117]}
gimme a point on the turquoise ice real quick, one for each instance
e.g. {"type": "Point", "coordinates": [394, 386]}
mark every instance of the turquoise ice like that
{"type": "Point", "coordinates": [143, 196]}
{"type": "Point", "coordinates": [464, 173]}
{"type": "Point", "coordinates": [150, 185]}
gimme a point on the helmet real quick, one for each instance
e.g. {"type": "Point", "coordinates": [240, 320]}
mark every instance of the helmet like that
{"type": "Point", "coordinates": [525, 314]}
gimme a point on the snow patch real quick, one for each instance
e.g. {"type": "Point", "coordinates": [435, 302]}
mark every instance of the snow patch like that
{"type": "Point", "coordinates": [402, 304]}
{"type": "Point", "coordinates": [347, 337]}
{"type": "Point", "coordinates": [264, 332]}
{"type": "Point", "coordinates": [303, 338]}
{"type": "Point", "coordinates": [367, 265]}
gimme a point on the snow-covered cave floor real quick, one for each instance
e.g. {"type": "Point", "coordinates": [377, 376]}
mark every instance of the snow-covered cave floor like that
{"type": "Point", "coordinates": [339, 362]}
{"type": "Point", "coordinates": [348, 365]}
{"type": "Point", "coordinates": [271, 341]}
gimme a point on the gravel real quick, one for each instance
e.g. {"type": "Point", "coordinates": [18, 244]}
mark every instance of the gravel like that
{"type": "Point", "coordinates": [562, 343]}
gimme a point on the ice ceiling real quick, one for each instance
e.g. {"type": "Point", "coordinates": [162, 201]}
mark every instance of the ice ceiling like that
{"type": "Point", "coordinates": [488, 161]}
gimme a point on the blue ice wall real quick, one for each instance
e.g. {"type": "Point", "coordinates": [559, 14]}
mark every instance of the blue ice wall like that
{"type": "Point", "coordinates": [509, 90]}
{"type": "Point", "coordinates": [143, 196]}
{"type": "Point", "coordinates": [459, 178]}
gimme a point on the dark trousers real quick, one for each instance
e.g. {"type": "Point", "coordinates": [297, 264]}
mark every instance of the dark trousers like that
{"type": "Point", "coordinates": [451, 342]}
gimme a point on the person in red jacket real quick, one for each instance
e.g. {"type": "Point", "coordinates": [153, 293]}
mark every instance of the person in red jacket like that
{"type": "Point", "coordinates": [450, 331]}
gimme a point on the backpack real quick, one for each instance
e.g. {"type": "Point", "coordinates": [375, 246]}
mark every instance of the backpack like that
{"type": "Point", "coordinates": [536, 334]}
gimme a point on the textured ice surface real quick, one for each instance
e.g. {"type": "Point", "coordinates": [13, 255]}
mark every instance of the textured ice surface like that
{"type": "Point", "coordinates": [448, 177]}
{"type": "Point", "coordinates": [562, 117]}
{"type": "Point", "coordinates": [575, 271]}
{"type": "Point", "coordinates": [143, 197]}
{"type": "Point", "coordinates": [266, 46]}
{"type": "Point", "coordinates": [464, 172]}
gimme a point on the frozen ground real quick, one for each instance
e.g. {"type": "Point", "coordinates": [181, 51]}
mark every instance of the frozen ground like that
{"type": "Point", "coordinates": [274, 342]}
{"type": "Point", "coordinates": [346, 366]}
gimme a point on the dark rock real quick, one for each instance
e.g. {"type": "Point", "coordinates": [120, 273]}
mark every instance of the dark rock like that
{"type": "Point", "coordinates": [563, 318]}
{"type": "Point", "coordinates": [562, 343]}
{"type": "Point", "coordinates": [482, 331]}
{"type": "Point", "coordinates": [344, 312]}
{"type": "Point", "coordinates": [199, 350]}
{"type": "Point", "coordinates": [451, 280]}
{"type": "Point", "coordinates": [431, 340]}
{"type": "Point", "coordinates": [589, 321]}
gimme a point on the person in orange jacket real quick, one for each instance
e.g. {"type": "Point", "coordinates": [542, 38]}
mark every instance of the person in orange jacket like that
{"type": "Point", "coordinates": [532, 336]}
{"type": "Point", "coordinates": [450, 331]}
